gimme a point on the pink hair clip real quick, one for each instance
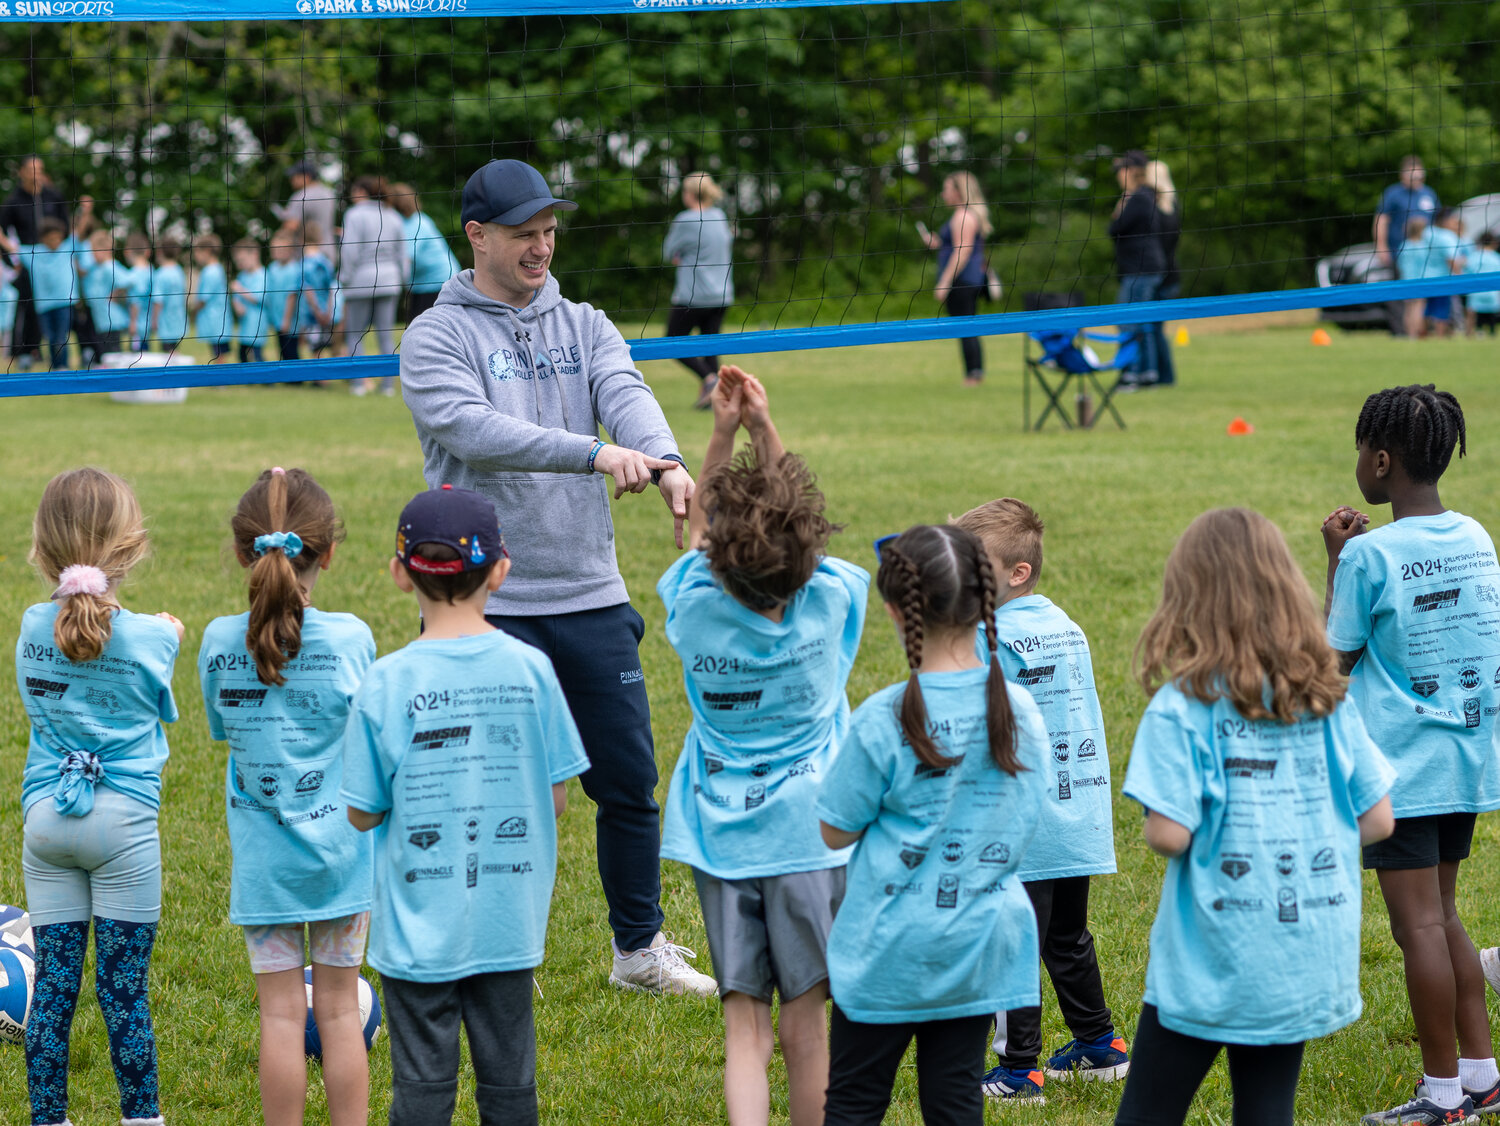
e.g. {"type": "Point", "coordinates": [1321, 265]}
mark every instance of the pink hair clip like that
{"type": "Point", "coordinates": [80, 578]}
{"type": "Point", "coordinates": [277, 471]}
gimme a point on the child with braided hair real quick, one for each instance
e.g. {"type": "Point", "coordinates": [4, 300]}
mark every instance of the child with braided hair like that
{"type": "Point", "coordinates": [939, 788]}
{"type": "Point", "coordinates": [96, 681]}
{"type": "Point", "coordinates": [1412, 608]}
{"type": "Point", "coordinates": [277, 685]}
{"type": "Point", "coordinates": [767, 625]}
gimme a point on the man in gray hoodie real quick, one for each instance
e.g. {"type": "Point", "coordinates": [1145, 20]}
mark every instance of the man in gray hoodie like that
{"type": "Point", "coordinates": [508, 383]}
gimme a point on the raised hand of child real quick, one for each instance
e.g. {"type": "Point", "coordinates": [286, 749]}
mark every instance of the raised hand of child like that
{"type": "Point", "coordinates": [755, 412]}
{"type": "Point", "coordinates": [727, 400]}
{"type": "Point", "coordinates": [1342, 525]}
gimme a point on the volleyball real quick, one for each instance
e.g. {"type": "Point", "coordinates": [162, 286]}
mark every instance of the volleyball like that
{"type": "Point", "coordinates": [369, 1017]}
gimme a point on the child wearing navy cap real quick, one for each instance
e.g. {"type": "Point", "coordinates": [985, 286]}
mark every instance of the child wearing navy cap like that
{"type": "Point", "coordinates": [455, 755]}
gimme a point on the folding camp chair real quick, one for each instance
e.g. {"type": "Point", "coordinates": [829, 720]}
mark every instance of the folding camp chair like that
{"type": "Point", "coordinates": [1067, 357]}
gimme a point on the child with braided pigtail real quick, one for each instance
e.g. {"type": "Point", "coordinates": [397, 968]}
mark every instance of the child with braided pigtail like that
{"type": "Point", "coordinates": [96, 681]}
{"type": "Point", "coordinates": [939, 787]}
{"type": "Point", "coordinates": [1411, 611]}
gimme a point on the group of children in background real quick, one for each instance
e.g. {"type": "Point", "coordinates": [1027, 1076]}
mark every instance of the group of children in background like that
{"type": "Point", "coordinates": [912, 859]}
{"type": "Point", "coordinates": [1439, 250]}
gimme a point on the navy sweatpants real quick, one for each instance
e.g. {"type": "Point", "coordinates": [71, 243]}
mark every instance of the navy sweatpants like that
{"type": "Point", "coordinates": [597, 659]}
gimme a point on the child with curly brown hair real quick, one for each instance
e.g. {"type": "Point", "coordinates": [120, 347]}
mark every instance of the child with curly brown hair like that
{"type": "Point", "coordinates": [767, 626]}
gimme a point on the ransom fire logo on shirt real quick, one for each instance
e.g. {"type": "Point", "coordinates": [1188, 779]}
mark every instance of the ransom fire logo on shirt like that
{"type": "Point", "coordinates": [732, 701]}
{"type": "Point", "coordinates": [425, 838]}
{"type": "Point", "coordinates": [46, 689]}
{"type": "Point", "coordinates": [439, 738]}
{"type": "Point", "coordinates": [1042, 674]}
{"type": "Point", "coordinates": [1262, 768]}
{"type": "Point", "coordinates": [1424, 686]}
{"type": "Point", "coordinates": [1437, 600]}
{"type": "Point", "coordinates": [241, 697]}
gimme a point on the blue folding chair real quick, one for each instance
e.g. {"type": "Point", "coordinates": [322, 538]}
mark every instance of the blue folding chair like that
{"type": "Point", "coordinates": [1066, 357]}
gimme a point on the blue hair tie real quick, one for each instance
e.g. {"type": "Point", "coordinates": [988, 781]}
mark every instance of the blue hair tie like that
{"type": "Point", "coordinates": [288, 543]}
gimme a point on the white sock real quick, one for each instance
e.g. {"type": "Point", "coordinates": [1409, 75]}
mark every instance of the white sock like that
{"type": "Point", "coordinates": [1478, 1075]}
{"type": "Point", "coordinates": [1447, 1093]}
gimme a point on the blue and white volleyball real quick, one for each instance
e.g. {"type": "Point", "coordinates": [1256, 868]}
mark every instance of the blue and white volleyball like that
{"type": "Point", "coordinates": [15, 929]}
{"type": "Point", "coordinates": [17, 976]}
{"type": "Point", "coordinates": [369, 1017]}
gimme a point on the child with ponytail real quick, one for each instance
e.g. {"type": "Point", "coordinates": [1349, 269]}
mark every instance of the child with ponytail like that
{"type": "Point", "coordinates": [96, 682]}
{"type": "Point", "coordinates": [277, 682]}
{"type": "Point", "coordinates": [940, 784]}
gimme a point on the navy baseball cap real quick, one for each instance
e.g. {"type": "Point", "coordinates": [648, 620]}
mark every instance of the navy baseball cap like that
{"type": "Point", "coordinates": [458, 518]}
{"type": "Point", "coordinates": [508, 192]}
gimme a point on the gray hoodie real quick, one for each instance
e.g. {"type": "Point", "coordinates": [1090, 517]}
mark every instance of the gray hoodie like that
{"type": "Point", "coordinates": [508, 402]}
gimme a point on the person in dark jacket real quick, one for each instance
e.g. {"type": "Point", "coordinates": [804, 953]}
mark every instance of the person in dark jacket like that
{"type": "Point", "coordinates": [1169, 226]}
{"type": "Point", "coordinates": [33, 199]}
{"type": "Point", "coordinates": [1138, 256]}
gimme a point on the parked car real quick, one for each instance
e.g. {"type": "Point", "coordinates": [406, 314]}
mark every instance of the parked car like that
{"type": "Point", "coordinates": [1480, 214]}
{"type": "Point", "coordinates": [1355, 265]}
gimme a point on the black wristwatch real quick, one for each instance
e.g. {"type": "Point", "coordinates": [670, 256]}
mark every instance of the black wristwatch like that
{"type": "Point", "coordinates": [656, 473]}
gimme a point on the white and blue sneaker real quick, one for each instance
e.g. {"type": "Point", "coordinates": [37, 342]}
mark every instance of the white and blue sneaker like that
{"type": "Point", "coordinates": [660, 968]}
{"type": "Point", "coordinates": [1104, 1060]}
{"type": "Point", "coordinates": [1021, 1088]}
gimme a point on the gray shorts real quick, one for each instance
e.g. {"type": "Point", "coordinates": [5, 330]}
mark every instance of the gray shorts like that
{"type": "Point", "coordinates": [770, 933]}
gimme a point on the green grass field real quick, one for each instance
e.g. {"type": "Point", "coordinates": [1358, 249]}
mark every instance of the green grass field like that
{"type": "Point", "coordinates": [897, 440]}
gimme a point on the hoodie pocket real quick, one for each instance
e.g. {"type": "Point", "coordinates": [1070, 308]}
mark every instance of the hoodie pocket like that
{"type": "Point", "coordinates": [556, 526]}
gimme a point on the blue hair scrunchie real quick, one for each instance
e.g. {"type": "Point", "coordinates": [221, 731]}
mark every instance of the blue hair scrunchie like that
{"type": "Point", "coordinates": [80, 770]}
{"type": "Point", "coordinates": [288, 543]}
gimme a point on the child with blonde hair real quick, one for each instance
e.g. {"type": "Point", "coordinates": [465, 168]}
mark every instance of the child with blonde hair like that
{"type": "Point", "coordinates": [1259, 784]}
{"type": "Point", "coordinates": [303, 877]}
{"type": "Point", "coordinates": [96, 682]}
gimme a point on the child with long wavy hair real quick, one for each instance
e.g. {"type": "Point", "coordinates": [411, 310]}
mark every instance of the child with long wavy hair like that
{"type": "Point", "coordinates": [767, 625]}
{"type": "Point", "coordinates": [96, 681]}
{"type": "Point", "coordinates": [939, 787]}
{"type": "Point", "coordinates": [1259, 784]}
{"type": "Point", "coordinates": [303, 877]}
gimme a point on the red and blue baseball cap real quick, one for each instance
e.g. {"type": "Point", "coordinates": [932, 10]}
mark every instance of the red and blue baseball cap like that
{"type": "Point", "coordinates": [461, 519]}
{"type": "Point", "coordinates": [508, 192]}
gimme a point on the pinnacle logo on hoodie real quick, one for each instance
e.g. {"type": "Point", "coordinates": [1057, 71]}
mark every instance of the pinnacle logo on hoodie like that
{"type": "Point", "coordinates": [507, 364]}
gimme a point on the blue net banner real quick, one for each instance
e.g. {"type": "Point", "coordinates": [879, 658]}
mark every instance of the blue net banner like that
{"type": "Point", "coordinates": [96, 11]}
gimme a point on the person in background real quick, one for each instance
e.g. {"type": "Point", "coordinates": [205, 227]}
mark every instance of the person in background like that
{"type": "Point", "coordinates": [138, 287]}
{"type": "Point", "coordinates": [1411, 262]}
{"type": "Point", "coordinates": [104, 287]}
{"type": "Point", "coordinates": [248, 301]}
{"type": "Point", "coordinates": [33, 199]}
{"type": "Point", "coordinates": [84, 227]}
{"type": "Point", "coordinates": [961, 261]}
{"type": "Point", "coordinates": [1484, 308]}
{"type": "Point", "coordinates": [169, 296]}
{"type": "Point", "coordinates": [1444, 259]}
{"type": "Point", "coordinates": [372, 269]}
{"type": "Point", "coordinates": [432, 261]}
{"type": "Point", "coordinates": [1139, 258]}
{"type": "Point", "coordinates": [284, 293]}
{"type": "Point", "coordinates": [213, 321]}
{"type": "Point", "coordinates": [316, 311]}
{"type": "Point", "coordinates": [700, 243]}
{"type": "Point", "coordinates": [311, 201]}
{"type": "Point", "coordinates": [50, 265]}
{"type": "Point", "coordinates": [1169, 227]}
{"type": "Point", "coordinates": [1400, 203]}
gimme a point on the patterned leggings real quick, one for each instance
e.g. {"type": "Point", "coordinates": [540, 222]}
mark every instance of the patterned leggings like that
{"type": "Point", "coordinates": [123, 955]}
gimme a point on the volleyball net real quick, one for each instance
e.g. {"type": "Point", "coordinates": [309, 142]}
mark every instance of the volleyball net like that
{"type": "Point", "coordinates": [830, 127]}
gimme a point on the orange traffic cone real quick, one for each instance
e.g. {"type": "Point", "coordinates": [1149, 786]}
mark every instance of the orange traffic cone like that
{"type": "Point", "coordinates": [1183, 339]}
{"type": "Point", "coordinates": [1240, 426]}
{"type": "Point", "coordinates": [1320, 338]}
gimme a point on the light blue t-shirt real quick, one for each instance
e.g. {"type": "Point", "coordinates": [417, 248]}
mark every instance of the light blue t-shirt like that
{"type": "Point", "coordinates": [1256, 940]}
{"type": "Point", "coordinates": [283, 280]}
{"type": "Point", "coordinates": [1421, 597]}
{"type": "Point", "coordinates": [296, 857]}
{"type": "Point", "coordinates": [459, 743]}
{"type": "Point", "coordinates": [1411, 259]}
{"type": "Point", "coordinates": [1442, 248]}
{"type": "Point", "coordinates": [769, 709]}
{"type": "Point", "coordinates": [1484, 261]}
{"type": "Point", "coordinates": [935, 923]}
{"type": "Point", "coordinates": [432, 262]}
{"type": "Point", "coordinates": [213, 324]}
{"type": "Point", "coordinates": [169, 302]}
{"type": "Point", "coordinates": [54, 274]}
{"type": "Point", "coordinates": [99, 287]}
{"type": "Point", "coordinates": [112, 706]}
{"type": "Point", "coordinates": [254, 324]}
{"type": "Point", "coordinates": [1044, 651]}
{"type": "Point", "coordinates": [317, 275]}
{"type": "Point", "coordinates": [138, 280]}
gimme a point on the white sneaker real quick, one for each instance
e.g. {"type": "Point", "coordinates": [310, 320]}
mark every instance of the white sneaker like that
{"type": "Point", "coordinates": [1489, 962]}
{"type": "Point", "coordinates": [660, 968]}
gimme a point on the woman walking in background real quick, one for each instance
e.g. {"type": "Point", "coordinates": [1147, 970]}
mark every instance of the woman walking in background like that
{"type": "Point", "coordinates": [432, 261]}
{"type": "Point", "coordinates": [1169, 229]}
{"type": "Point", "coordinates": [372, 269]}
{"type": "Point", "coordinates": [700, 243]}
{"type": "Point", "coordinates": [961, 262]}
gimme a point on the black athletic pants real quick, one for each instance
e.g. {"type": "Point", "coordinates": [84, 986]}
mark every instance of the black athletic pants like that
{"type": "Point", "coordinates": [681, 322]}
{"type": "Point", "coordinates": [862, 1063]}
{"type": "Point", "coordinates": [1167, 1067]}
{"type": "Point", "coordinates": [596, 656]}
{"type": "Point", "coordinates": [26, 336]}
{"type": "Point", "coordinates": [1062, 923]}
{"type": "Point", "coordinates": [963, 301]}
